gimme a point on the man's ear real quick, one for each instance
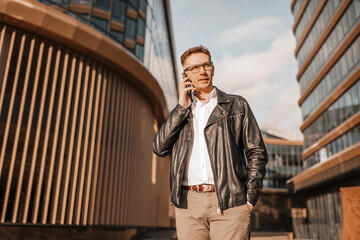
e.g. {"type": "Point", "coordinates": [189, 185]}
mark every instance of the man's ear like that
{"type": "Point", "coordinates": [213, 71]}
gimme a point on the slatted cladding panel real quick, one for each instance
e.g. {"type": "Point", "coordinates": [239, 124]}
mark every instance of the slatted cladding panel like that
{"type": "Point", "coordinates": [73, 149]}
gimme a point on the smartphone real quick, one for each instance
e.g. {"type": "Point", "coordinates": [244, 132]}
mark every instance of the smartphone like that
{"type": "Point", "coordinates": [188, 85]}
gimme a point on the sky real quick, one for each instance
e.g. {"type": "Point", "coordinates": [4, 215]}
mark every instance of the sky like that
{"type": "Point", "coordinates": [252, 47]}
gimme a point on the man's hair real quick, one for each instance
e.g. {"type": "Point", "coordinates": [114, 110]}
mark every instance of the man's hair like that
{"type": "Point", "coordinates": [197, 49]}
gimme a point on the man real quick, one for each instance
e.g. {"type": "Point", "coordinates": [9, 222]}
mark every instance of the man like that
{"type": "Point", "coordinates": [210, 134]}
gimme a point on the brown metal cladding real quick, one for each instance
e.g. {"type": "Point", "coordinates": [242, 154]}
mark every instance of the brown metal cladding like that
{"type": "Point", "coordinates": [18, 127]}
{"type": "Point", "coordinates": [11, 105]}
{"type": "Point", "coordinates": [81, 186]}
{"type": "Point", "coordinates": [100, 13]}
{"type": "Point", "coordinates": [331, 62]}
{"type": "Point", "coordinates": [277, 141]}
{"type": "Point", "coordinates": [300, 14]}
{"type": "Point", "coordinates": [55, 140]}
{"type": "Point", "coordinates": [54, 209]}
{"type": "Point", "coordinates": [92, 147]}
{"type": "Point", "coordinates": [27, 135]}
{"type": "Point", "coordinates": [6, 73]}
{"type": "Point", "coordinates": [85, 40]}
{"type": "Point", "coordinates": [329, 27]}
{"type": "Point", "coordinates": [37, 137]}
{"type": "Point", "coordinates": [117, 26]}
{"type": "Point", "coordinates": [46, 140]}
{"type": "Point", "coordinates": [100, 170]}
{"type": "Point", "coordinates": [331, 99]}
{"type": "Point", "coordinates": [88, 159]}
{"type": "Point", "coordinates": [80, 129]}
{"type": "Point", "coordinates": [309, 26]}
{"type": "Point", "coordinates": [337, 132]}
{"type": "Point", "coordinates": [337, 164]}
{"type": "Point", "coordinates": [71, 144]}
{"type": "Point", "coordinates": [98, 149]}
{"type": "Point", "coordinates": [80, 8]}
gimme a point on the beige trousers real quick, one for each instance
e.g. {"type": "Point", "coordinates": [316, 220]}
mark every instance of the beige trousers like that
{"type": "Point", "coordinates": [198, 218]}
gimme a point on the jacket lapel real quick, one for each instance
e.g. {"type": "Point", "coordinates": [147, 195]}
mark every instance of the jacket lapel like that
{"type": "Point", "coordinates": [221, 109]}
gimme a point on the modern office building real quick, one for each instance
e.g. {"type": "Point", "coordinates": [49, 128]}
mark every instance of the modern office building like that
{"type": "Point", "coordinates": [273, 208]}
{"type": "Point", "coordinates": [328, 55]}
{"type": "Point", "coordinates": [82, 86]}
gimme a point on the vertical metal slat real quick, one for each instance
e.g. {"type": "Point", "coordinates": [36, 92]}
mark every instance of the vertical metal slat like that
{"type": "Point", "coordinates": [116, 189]}
{"type": "Point", "coordinates": [27, 135]}
{"type": "Point", "coordinates": [37, 137]}
{"type": "Point", "coordinates": [113, 159]}
{"type": "Point", "coordinates": [19, 121]}
{"type": "Point", "coordinates": [46, 140]}
{"type": "Point", "coordinates": [96, 126]}
{"type": "Point", "coordinates": [71, 144]}
{"type": "Point", "coordinates": [63, 143]}
{"type": "Point", "coordinates": [55, 141]}
{"type": "Point", "coordinates": [85, 150]}
{"type": "Point", "coordinates": [126, 155]}
{"type": "Point", "coordinates": [12, 101]}
{"type": "Point", "coordinates": [6, 74]}
{"type": "Point", "coordinates": [78, 148]}
{"type": "Point", "coordinates": [109, 150]}
{"type": "Point", "coordinates": [98, 149]}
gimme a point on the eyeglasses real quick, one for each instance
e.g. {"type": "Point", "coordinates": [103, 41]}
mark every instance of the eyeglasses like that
{"type": "Point", "coordinates": [196, 68]}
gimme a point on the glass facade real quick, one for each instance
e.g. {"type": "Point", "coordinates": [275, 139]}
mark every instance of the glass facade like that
{"type": "Point", "coordinates": [341, 110]}
{"type": "Point", "coordinates": [316, 30]}
{"type": "Point", "coordinates": [330, 77]}
{"type": "Point", "coordinates": [284, 160]}
{"type": "Point", "coordinates": [138, 25]}
{"type": "Point", "coordinates": [312, 5]}
{"type": "Point", "coordinates": [341, 30]}
{"type": "Point", "coordinates": [344, 141]}
{"type": "Point", "coordinates": [297, 7]}
{"type": "Point", "coordinates": [323, 220]}
{"type": "Point", "coordinates": [342, 69]}
{"type": "Point", "coordinates": [347, 104]}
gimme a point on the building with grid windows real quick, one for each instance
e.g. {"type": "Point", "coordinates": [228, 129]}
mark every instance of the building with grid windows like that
{"type": "Point", "coordinates": [273, 208]}
{"type": "Point", "coordinates": [82, 86]}
{"type": "Point", "coordinates": [328, 55]}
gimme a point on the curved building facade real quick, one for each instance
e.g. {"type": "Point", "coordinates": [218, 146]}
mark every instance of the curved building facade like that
{"type": "Point", "coordinates": [81, 98]}
{"type": "Point", "coordinates": [328, 54]}
{"type": "Point", "coordinates": [284, 162]}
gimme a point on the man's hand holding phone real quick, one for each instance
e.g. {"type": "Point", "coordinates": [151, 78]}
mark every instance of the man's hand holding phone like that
{"type": "Point", "coordinates": [184, 91]}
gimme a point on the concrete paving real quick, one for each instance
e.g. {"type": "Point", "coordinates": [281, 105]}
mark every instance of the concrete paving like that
{"type": "Point", "coordinates": [166, 234]}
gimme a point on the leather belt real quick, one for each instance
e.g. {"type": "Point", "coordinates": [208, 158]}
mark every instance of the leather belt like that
{"type": "Point", "coordinates": [200, 188]}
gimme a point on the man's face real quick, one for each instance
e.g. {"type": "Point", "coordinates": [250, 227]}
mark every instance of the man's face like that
{"type": "Point", "coordinates": [202, 80]}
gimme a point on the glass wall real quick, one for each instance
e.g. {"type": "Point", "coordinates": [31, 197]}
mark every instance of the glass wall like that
{"type": "Point", "coordinates": [310, 8]}
{"type": "Point", "coordinates": [342, 69]}
{"type": "Point", "coordinates": [316, 30]}
{"type": "Point", "coordinates": [138, 25]}
{"type": "Point", "coordinates": [342, 142]}
{"type": "Point", "coordinates": [297, 7]}
{"type": "Point", "coordinates": [338, 34]}
{"type": "Point", "coordinates": [324, 218]}
{"type": "Point", "coordinates": [341, 110]}
{"type": "Point", "coordinates": [284, 162]}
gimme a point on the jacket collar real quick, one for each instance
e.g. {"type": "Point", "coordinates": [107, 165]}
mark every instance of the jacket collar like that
{"type": "Point", "coordinates": [221, 109]}
{"type": "Point", "coordinates": [222, 97]}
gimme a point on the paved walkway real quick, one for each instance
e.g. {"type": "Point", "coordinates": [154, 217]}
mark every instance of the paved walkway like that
{"type": "Point", "coordinates": [166, 234]}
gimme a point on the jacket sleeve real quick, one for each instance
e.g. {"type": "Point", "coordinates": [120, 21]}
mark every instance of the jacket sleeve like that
{"type": "Point", "coordinates": [256, 155]}
{"type": "Point", "coordinates": [169, 132]}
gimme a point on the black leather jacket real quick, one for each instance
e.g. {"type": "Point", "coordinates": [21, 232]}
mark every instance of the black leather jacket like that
{"type": "Point", "coordinates": [232, 136]}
